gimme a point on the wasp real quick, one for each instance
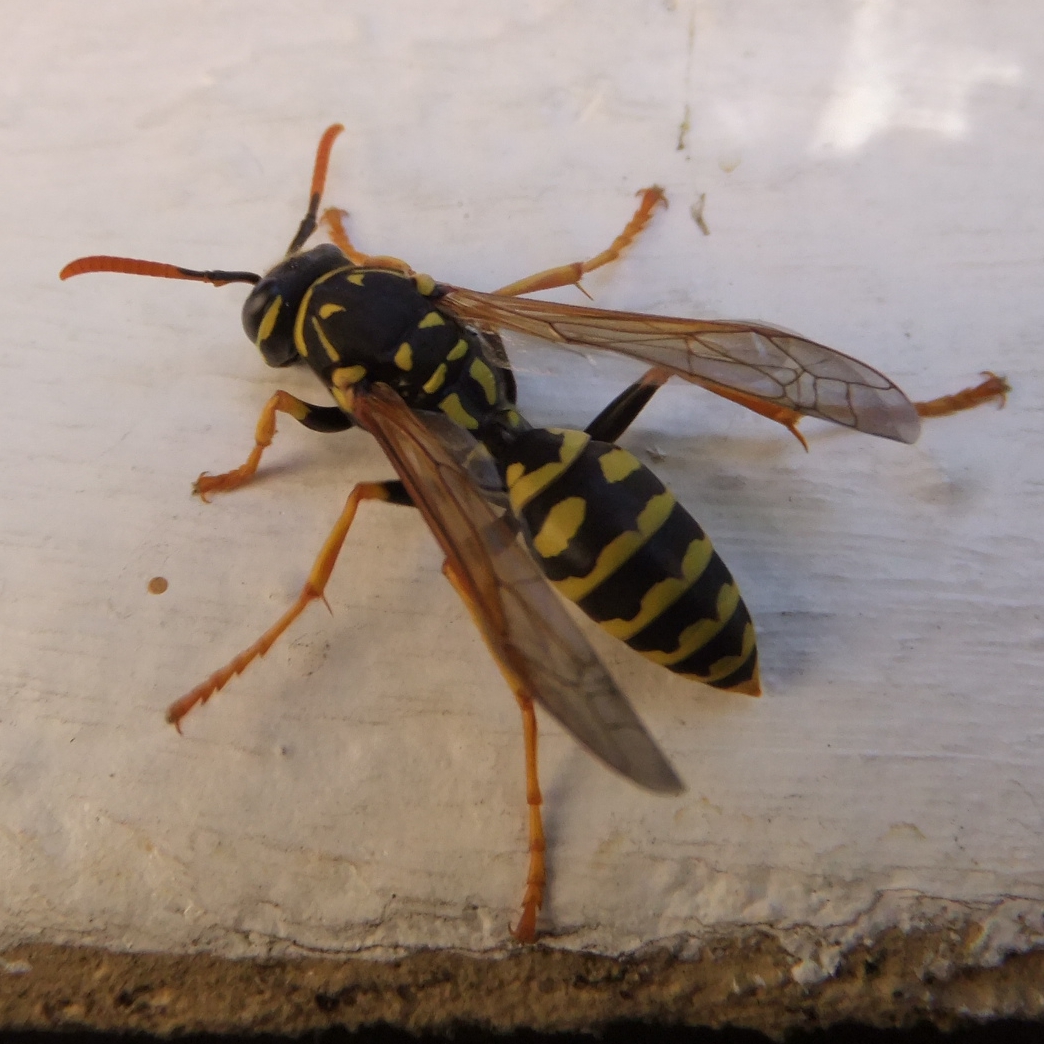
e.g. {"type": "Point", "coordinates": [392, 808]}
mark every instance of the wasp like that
{"type": "Point", "coordinates": [518, 510]}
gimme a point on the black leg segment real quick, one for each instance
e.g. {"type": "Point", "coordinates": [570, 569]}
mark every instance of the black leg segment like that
{"type": "Point", "coordinates": [620, 414]}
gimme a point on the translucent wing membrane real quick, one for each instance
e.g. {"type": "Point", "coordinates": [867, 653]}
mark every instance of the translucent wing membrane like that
{"type": "Point", "coordinates": [762, 362]}
{"type": "Point", "coordinates": [523, 621]}
{"type": "Point", "coordinates": [470, 454]}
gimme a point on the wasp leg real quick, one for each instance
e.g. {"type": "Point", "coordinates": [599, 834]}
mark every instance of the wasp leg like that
{"type": "Point", "coordinates": [536, 879]}
{"type": "Point", "coordinates": [333, 219]}
{"type": "Point", "coordinates": [389, 492]}
{"type": "Point", "coordinates": [570, 275]}
{"type": "Point", "coordinates": [318, 418]}
{"type": "Point", "coordinates": [620, 414]}
{"type": "Point", "coordinates": [780, 414]}
{"type": "Point", "coordinates": [993, 387]}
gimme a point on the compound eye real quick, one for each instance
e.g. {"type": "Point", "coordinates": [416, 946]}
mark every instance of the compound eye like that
{"type": "Point", "coordinates": [266, 320]}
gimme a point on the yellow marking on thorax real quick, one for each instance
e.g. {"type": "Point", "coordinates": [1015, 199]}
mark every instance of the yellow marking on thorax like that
{"type": "Point", "coordinates": [560, 526]}
{"type": "Point", "coordinates": [697, 635]}
{"type": "Point", "coordinates": [617, 464]}
{"type": "Point", "coordinates": [264, 331]}
{"type": "Point", "coordinates": [331, 351]}
{"type": "Point", "coordinates": [404, 356]}
{"type": "Point", "coordinates": [299, 341]}
{"type": "Point", "coordinates": [328, 309]}
{"type": "Point", "coordinates": [454, 409]}
{"type": "Point", "coordinates": [302, 310]}
{"type": "Point", "coordinates": [435, 381]}
{"type": "Point", "coordinates": [620, 548]}
{"type": "Point", "coordinates": [346, 376]}
{"type": "Point", "coordinates": [356, 278]}
{"type": "Point", "coordinates": [662, 595]}
{"type": "Point", "coordinates": [458, 351]}
{"type": "Point", "coordinates": [431, 319]}
{"type": "Point", "coordinates": [513, 472]}
{"type": "Point", "coordinates": [483, 376]}
{"type": "Point", "coordinates": [527, 485]}
{"type": "Point", "coordinates": [425, 284]}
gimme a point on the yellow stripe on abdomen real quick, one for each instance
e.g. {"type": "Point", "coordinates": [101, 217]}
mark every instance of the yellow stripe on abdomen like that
{"type": "Point", "coordinates": [620, 549]}
{"type": "Point", "coordinates": [697, 635]}
{"type": "Point", "coordinates": [663, 594]}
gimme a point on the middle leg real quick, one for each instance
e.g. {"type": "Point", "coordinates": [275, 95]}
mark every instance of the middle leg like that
{"type": "Point", "coordinates": [390, 492]}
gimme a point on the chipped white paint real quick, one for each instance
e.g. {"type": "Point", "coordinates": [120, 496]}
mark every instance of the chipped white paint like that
{"type": "Point", "coordinates": [362, 786]}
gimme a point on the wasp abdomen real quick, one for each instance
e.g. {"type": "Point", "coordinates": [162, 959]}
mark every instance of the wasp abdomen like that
{"type": "Point", "coordinates": [612, 538]}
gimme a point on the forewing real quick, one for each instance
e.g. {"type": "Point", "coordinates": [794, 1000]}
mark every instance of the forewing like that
{"type": "Point", "coordinates": [522, 619]}
{"type": "Point", "coordinates": [470, 454]}
{"type": "Point", "coordinates": [766, 363]}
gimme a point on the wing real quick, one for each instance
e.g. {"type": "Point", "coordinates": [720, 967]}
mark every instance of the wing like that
{"type": "Point", "coordinates": [522, 619]}
{"type": "Point", "coordinates": [759, 362]}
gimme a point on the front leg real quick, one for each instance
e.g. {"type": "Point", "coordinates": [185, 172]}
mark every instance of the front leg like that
{"type": "Point", "coordinates": [571, 274]}
{"type": "Point", "coordinates": [318, 418]}
{"type": "Point", "coordinates": [333, 218]}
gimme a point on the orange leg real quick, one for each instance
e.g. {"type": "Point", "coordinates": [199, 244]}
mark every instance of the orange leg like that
{"type": "Point", "coordinates": [570, 275]}
{"type": "Point", "coordinates": [614, 420]}
{"type": "Point", "coordinates": [318, 418]}
{"type": "Point", "coordinates": [780, 414]}
{"type": "Point", "coordinates": [313, 588]}
{"type": "Point", "coordinates": [992, 388]}
{"type": "Point", "coordinates": [536, 879]}
{"type": "Point", "coordinates": [333, 219]}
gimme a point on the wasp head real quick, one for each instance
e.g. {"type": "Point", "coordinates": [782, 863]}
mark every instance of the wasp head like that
{"type": "Point", "coordinates": [271, 309]}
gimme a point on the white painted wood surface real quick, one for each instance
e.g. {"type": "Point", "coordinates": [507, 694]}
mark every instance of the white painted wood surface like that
{"type": "Point", "coordinates": [872, 175]}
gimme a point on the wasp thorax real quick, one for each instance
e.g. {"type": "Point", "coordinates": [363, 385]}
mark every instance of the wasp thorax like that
{"type": "Point", "coordinates": [270, 310]}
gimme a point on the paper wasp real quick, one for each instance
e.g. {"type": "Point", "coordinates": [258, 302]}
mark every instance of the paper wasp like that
{"type": "Point", "coordinates": [420, 366]}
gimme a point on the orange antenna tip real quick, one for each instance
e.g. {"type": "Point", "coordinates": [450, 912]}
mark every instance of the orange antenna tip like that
{"type": "Point", "coordinates": [134, 266]}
